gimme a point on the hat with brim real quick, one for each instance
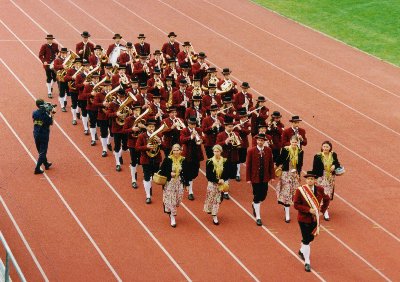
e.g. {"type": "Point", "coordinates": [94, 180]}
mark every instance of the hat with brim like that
{"type": "Point", "coordinates": [262, 125]}
{"type": "Point", "coordinates": [245, 85]}
{"type": "Point", "coordinates": [151, 122]}
{"type": "Point", "coordinates": [143, 85]}
{"type": "Point", "coordinates": [122, 67]}
{"type": "Point", "coordinates": [171, 34]}
{"type": "Point", "coordinates": [171, 60]}
{"type": "Point", "coordinates": [261, 136]}
{"type": "Point", "coordinates": [295, 118]}
{"type": "Point", "coordinates": [78, 60]}
{"type": "Point", "coordinates": [261, 99]}
{"type": "Point", "coordinates": [143, 55]}
{"type": "Point", "coordinates": [182, 81]}
{"type": "Point", "coordinates": [242, 112]}
{"type": "Point", "coordinates": [117, 35]}
{"type": "Point", "coordinates": [212, 86]}
{"type": "Point", "coordinates": [85, 63]}
{"type": "Point", "coordinates": [226, 99]}
{"type": "Point", "coordinates": [310, 173]}
{"type": "Point", "coordinates": [136, 106]}
{"type": "Point", "coordinates": [157, 52]}
{"type": "Point", "coordinates": [276, 114]}
{"type": "Point", "coordinates": [192, 120]}
{"type": "Point", "coordinates": [121, 92]}
{"type": "Point", "coordinates": [228, 120]}
{"type": "Point", "coordinates": [171, 109]}
{"type": "Point", "coordinates": [98, 47]}
{"type": "Point", "coordinates": [214, 107]}
{"type": "Point", "coordinates": [211, 70]}
{"type": "Point", "coordinates": [196, 98]}
{"type": "Point", "coordinates": [185, 66]}
{"type": "Point", "coordinates": [226, 71]}
{"type": "Point", "coordinates": [64, 50]}
{"type": "Point", "coordinates": [96, 74]}
{"type": "Point", "coordinates": [50, 36]}
{"type": "Point", "coordinates": [169, 78]}
{"type": "Point", "coordinates": [202, 55]}
{"type": "Point", "coordinates": [106, 83]}
{"type": "Point", "coordinates": [85, 34]}
{"type": "Point", "coordinates": [157, 70]}
{"type": "Point", "coordinates": [129, 45]}
{"type": "Point", "coordinates": [108, 65]}
{"type": "Point", "coordinates": [141, 35]}
{"type": "Point", "coordinates": [186, 43]}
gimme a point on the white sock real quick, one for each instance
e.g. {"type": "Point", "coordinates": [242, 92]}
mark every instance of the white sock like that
{"type": "Point", "coordinates": [238, 170]}
{"type": "Point", "coordinates": [190, 187]}
{"type": "Point", "coordinates": [104, 143]}
{"type": "Point", "coordinates": [287, 213]}
{"type": "Point", "coordinates": [257, 210]}
{"type": "Point", "coordinates": [147, 186]}
{"type": "Point", "coordinates": [61, 101]}
{"type": "Point", "coordinates": [133, 173]}
{"type": "Point", "coordinates": [173, 222]}
{"type": "Point", "coordinates": [85, 122]}
{"type": "Point", "coordinates": [302, 248]}
{"type": "Point", "coordinates": [215, 218]}
{"type": "Point", "coordinates": [73, 111]}
{"type": "Point", "coordinates": [326, 214]}
{"type": "Point", "coordinates": [116, 154]}
{"type": "Point", "coordinates": [48, 87]}
{"type": "Point", "coordinates": [93, 133]}
{"type": "Point", "coordinates": [306, 253]}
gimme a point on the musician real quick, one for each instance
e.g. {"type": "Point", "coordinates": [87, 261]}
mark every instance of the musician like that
{"type": "Point", "coordinates": [157, 61]}
{"type": "Point", "coordinates": [151, 163]}
{"type": "Point", "coordinates": [70, 78]}
{"type": "Point", "coordinates": [181, 98]}
{"type": "Point", "coordinates": [211, 126]}
{"type": "Point", "coordinates": [259, 171]}
{"type": "Point", "coordinates": [133, 127]}
{"type": "Point", "coordinates": [144, 98]}
{"type": "Point", "coordinates": [227, 83]}
{"type": "Point", "coordinates": [108, 71]}
{"type": "Point", "coordinates": [294, 130]}
{"type": "Point", "coordinates": [124, 58]}
{"type": "Point", "coordinates": [120, 139]}
{"type": "Point", "coordinates": [167, 92]}
{"type": "Point", "coordinates": [120, 77]}
{"type": "Point", "coordinates": [230, 142]}
{"type": "Point", "coordinates": [262, 129]}
{"type": "Point", "coordinates": [89, 92]}
{"type": "Point", "coordinates": [200, 67]}
{"type": "Point", "coordinates": [47, 55]}
{"type": "Point", "coordinates": [102, 118]}
{"type": "Point", "coordinates": [170, 49]}
{"type": "Point", "coordinates": [158, 109]}
{"type": "Point", "coordinates": [62, 85]}
{"type": "Point", "coordinates": [171, 134]}
{"type": "Point", "coordinates": [134, 89]}
{"type": "Point", "coordinates": [217, 175]}
{"type": "Point", "coordinates": [42, 120]}
{"type": "Point", "coordinates": [80, 82]}
{"type": "Point", "coordinates": [243, 98]}
{"type": "Point", "coordinates": [129, 58]}
{"type": "Point", "coordinates": [142, 69]}
{"type": "Point", "coordinates": [172, 69]}
{"type": "Point", "coordinates": [185, 69]}
{"type": "Point", "coordinates": [196, 90]}
{"type": "Point", "coordinates": [196, 110]}
{"type": "Point", "coordinates": [227, 108]}
{"type": "Point", "coordinates": [185, 56]}
{"type": "Point", "coordinates": [211, 97]}
{"type": "Point", "coordinates": [191, 139]}
{"type": "Point", "coordinates": [85, 48]}
{"type": "Point", "coordinates": [174, 167]}
{"type": "Point", "coordinates": [211, 78]}
{"type": "Point", "coordinates": [275, 130]}
{"type": "Point", "coordinates": [259, 114]}
{"type": "Point", "coordinates": [290, 162]}
{"type": "Point", "coordinates": [307, 200]}
{"type": "Point", "coordinates": [242, 127]}
{"type": "Point", "coordinates": [324, 166]}
{"type": "Point", "coordinates": [155, 83]}
{"type": "Point", "coordinates": [142, 47]}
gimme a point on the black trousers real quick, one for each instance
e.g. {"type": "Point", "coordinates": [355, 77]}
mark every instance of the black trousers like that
{"type": "Point", "coordinates": [260, 191]}
{"type": "Point", "coordinates": [103, 124]}
{"type": "Point", "coordinates": [42, 144]}
{"type": "Point", "coordinates": [150, 169]}
{"type": "Point", "coordinates": [50, 75]}
{"type": "Point", "coordinates": [74, 99]}
{"type": "Point", "coordinates": [63, 87]}
{"type": "Point", "coordinates": [192, 170]}
{"type": "Point", "coordinates": [231, 169]}
{"type": "Point", "coordinates": [135, 156]}
{"type": "Point", "coordinates": [209, 151]}
{"type": "Point", "coordinates": [242, 155]}
{"type": "Point", "coordinates": [306, 232]}
{"type": "Point", "coordinates": [92, 118]}
{"type": "Point", "coordinates": [82, 104]}
{"type": "Point", "coordinates": [275, 154]}
{"type": "Point", "coordinates": [120, 140]}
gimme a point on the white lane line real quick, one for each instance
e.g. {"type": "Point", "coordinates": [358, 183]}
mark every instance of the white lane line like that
{"type": "Point", "coordinates": [23, 237]}
{"type": "Point", "coordinates": [108, 185]}
{"type": "Point", "coordinates": [283, 70]}
{"type": "Point", "coordinates": [61, 197]}
{"type": "Point", "coordinates": [298, 47]}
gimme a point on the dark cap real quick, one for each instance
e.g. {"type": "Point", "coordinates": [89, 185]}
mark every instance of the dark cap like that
{"type": "Point", "coordinates": [295, 118]}
{"type": "Point", "coordinates": [117, 35]}
{"type": "Point", "coordinates": [310, 173]}
{"type": "Point", "coordinates": [64, 50]}
{"type": "Point", "coordinates": [245, 84]}
{"type": "Point", "coordinates": [171, 34]}
{"type": "Point", "coordinates": [192, 120]}
{"type": "Point", "coordinates": [276, 114]}
{"type": "Point", "coordinates": [50, 36]}
{"type": "Point", "coordinates": [141, 35]}
{"type": "Point", "coordinates": [186, 43]}
{"type": "Point", "coordinates": [261, 99]}
{"type": "Point", "coordinates": [85, 34]}
{"type": "Point", "coordinates": [226, 71]}
{"type": "Point", "coordinates": [171, 109]}
{"type": "Point", "coordinates": [129, 45]}
{"type": "Point", "coordinates": [98, 47]}
{"type": "Point", "coordinates": [214, 107]}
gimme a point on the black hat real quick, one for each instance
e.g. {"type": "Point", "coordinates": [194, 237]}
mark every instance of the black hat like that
{"type": "Point", "coordinates": [261, 99]}
{"type": "Point", "coordinates": [151, 121]}
{"type": "Point", "coordinates": [85, 62]}
{"type": "Point", "coordinates": [276, 114]}
{"type": "Point", "coordinates": [50, 36]}
{"type": "Point", "coordinates": [185, 66]}
{"type": "Point", "coordinates": [212, 69]}
{"type": "Point", "coordinates": [192, 120]}
{"type": "Point", "coordinates": [171, 34]}
{"type": "Point", "coordinates": [242, 112]}
{"type": "Point", "coordinates": [245, 85]}
{"type": "Point", "coordinates": [141, 35]}
{"type": "Point", "coordinates": [186, 43]}
{"type": "Point", "coordinates": [228, 120]}
{"type": "Point", "coordinates": [212, 85]}
{"type": "Point", "coordinates": [157, 94]}
{"type": "Point", "coordinates": [143, 85]}
{"type": "Point", "coordinates": [226, 99]}
{"type": "Point", "coordinates": [108, 65]}
{"type": "Point", "coordinates": [98, 47]}
{"type": "Point", "coordinates": [196, 78]}
{"type": "Point", "coordinates": [261, 136]}
{"type": "Point", "coordinates": [169, 78]}
{"type": "Point", "coordinates": [117, 35]}
{"type": "Point", "coordinates": [63, 49]}
{"type": "Point", "coordinates": [183, 81]}
{"type": "Point", "coordinates": [39, 102]}
{"type": "Point", "coordinates": [202, 55]}
{"type": "Point", "coordinates": [196, 98]}
{"type": "Point", "coordinates": [157, 70]}
{"type": "Point", "coordinates": [129, 45]}
{"type": "Point", "coordinates": [157, 52]}
{"type": "Point", "coordinates": [121, 92]}
{"type": "Point", "coordinates": [295, 118]}
{"type": "Point", "coordinates": [171, 60]}
{"type": "Point", "coordinates": [135, 79]}
{"type": "Point", "coordinates": [214, 107]}
{"type": "Point", "coordinates": [143, 55]}
{"type": "Point", "coordinates": [85, 34]}
{"type": "Point", "coordinates": [78, 60]}
{"type": "Point", "coordinates": [226, 71]}
{"type": "Point", "coordinates": [170, 109]}
{"type": "Point", "coordinates": [310, 173]}
{"type": "Point", "coordinates": [262, 124]}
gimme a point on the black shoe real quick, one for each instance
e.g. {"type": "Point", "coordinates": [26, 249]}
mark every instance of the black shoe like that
{"type": "Point", "coordinates": [38, 171]}
{"type": "Point", "coordinates": [109, 147]}
{"type": "Point", "coordinates": [238, 178]}
{"type": "Point", "coordinates": [47, 165]}
{"type": "Point", "coordinates": [63, 109]}
{"type": "Point", "coordinates": [50, 96]}
{"type": "Point", "coordinates": [78, 115]}
{"type": "Point", "coordinates": [287, 220]}
{"type": "Point", "coordinates": [148, 201]}
{"type": "Point", "coordinates": [74, 122]}
{"type": "Point", "coordinates": [93, 143]}
{"type": "Point", "coordinates": [254, 211]}
{"type": "Point", "coordinates": [86, 132]}
{"type": "Point", "coordinates": [226, 196]}
{"type": "Point", "coordinates": [259, 222]}
{"type": "Point", "coordinates": [215, 222]}
{"type": "Point", "coordinates": [301, 255]}
{"type": "Point", "coordinates": [307, 267]}
{"type": "Point", "coordinates": [104, 154]}
{"type": "Point", "coordinates": [134, 185]}
{"type": "Point", "coordinates": [173, 225]}
{"type": "Point", "coordinates": [191, 197]}
{"type": "Point", "coordinates": [118, 168]}
{"type": "Point", "coordinates": [96, 137]}
{"type": "Point", "coordinates": [121, 161]}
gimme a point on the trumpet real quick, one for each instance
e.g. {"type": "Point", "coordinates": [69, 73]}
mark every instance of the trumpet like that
{"type": "Point", "coordinates": [197, 137]}
{"type": "Point", "coordinates": [235, 140]}
{"type": "Point", "coordinates": [179, 124]}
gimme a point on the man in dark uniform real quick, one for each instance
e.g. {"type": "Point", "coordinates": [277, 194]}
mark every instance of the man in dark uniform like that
{"type": "Point", "coordinates": [42, 119]}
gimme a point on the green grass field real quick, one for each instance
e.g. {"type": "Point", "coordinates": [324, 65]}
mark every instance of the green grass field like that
{"type": "Point", "coordinates": [372, 26]}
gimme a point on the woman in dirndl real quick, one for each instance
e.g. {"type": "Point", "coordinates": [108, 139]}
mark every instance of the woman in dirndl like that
{"type": "Point", "coordinates": [290, 162]}
{"type": "Point", "coordinates": [324, 166]}
{"type": "Point", "coordinates": [217, 176]}
{"type": "Point", "coordinates": [174, 168]}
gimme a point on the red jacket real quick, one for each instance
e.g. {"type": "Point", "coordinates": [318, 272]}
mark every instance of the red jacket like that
{"type": "Point", "coordinates": [178, 98]}
{"type": "Point", "coordinates": [170, 50]}
{"type": "Point", "coordinates": [101, 110]}
{"type": "Point", "coordinates": [253, 165]}
{"type": "Point", "coordinates": [191, 151]}
{"type": "Point", "coordinates": [48, 53]}
{"type": "Point", "coordinates": [230, 152]}
{"type": "Point", "coordinates": [303, 208]}
{"type": "Point", "coordinates": [88, 50]}
{"type": "Point", "coordinates": [58, 64]}
{"type": "Point", "coordinates": [112, 113]}
{"type": "Point", "coordinates": [239, 99]}
{"type": "Point", "coordinates": [79, 83]}
{"type": "Point", "coordinates": [210, 132]}
{"type": "Point", "coordinates": [276, 135]}
{"type": "Point", "coordinates": [198, 71]}
{"type": "Point", "coordinates": [182, 58]}
{"type": "Point", "coordinates": [171, 136]}
{"type": "Point", "coordinates": [199, 114]}
{"type": "Point", "coordinates": [141, 100]}
{"type": "Point", "coordinates": [127, 129]}
{"type": "Point", "coordinates": [207, 101]}
{"type": "Point", "coordinates": [145, 49]}
{"type": "Point", "coordinates": [289, 132]}
{"type": "Point", "coordinates": [111, 48]}
{"type": "Point", "coordinates": [141, 145]}
{"type": "Point", "coordinates": [262, 117]}
{"type": "Point", "coordinates": [87, 94]}
{"type": "Point", "coordinates": [165, 93]}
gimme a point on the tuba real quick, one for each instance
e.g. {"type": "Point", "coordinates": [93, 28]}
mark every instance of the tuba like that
{"type": "Point", "coordinates": [124, 110]}
{"type": "Point", "coordinates": [155, 141]}
{"type": "Point", "coordinates": [68, 62]}
{"type": "Point", "coordinates": [111, 95]}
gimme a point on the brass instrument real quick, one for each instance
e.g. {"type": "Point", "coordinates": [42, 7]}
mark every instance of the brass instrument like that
{"type": "Point", "coordinates": [99, 83]}
{"type": "Point", "coordinates": [67, 64]}
{"type": "Point", "coordinates": [110, 95]}
{"type": "Point", "coordinates": [235, 140]}
{"type": "Point", "coordinates": [155, 141]}
{"type": "Point", "coordinates": [123, 111]}
{"type": "Point", "coordinates": [197, 137]}
{"type": "Point", "coordinates": [71, 84]}
{"type": "Point", "coordinates": [226, 87]}
{"type": "Point", "coordinates": [141, 117]}
{"type": "Point", "coordinates": [241, 123]}
{"type": "Point", "coordinates": [211, 80]}
{"type": "Point", "coordinates": [89, 75]}
{"type": "Point", "coordinates": [179, 124]}
{"type": "Point", "coordinates": [169, 102]}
